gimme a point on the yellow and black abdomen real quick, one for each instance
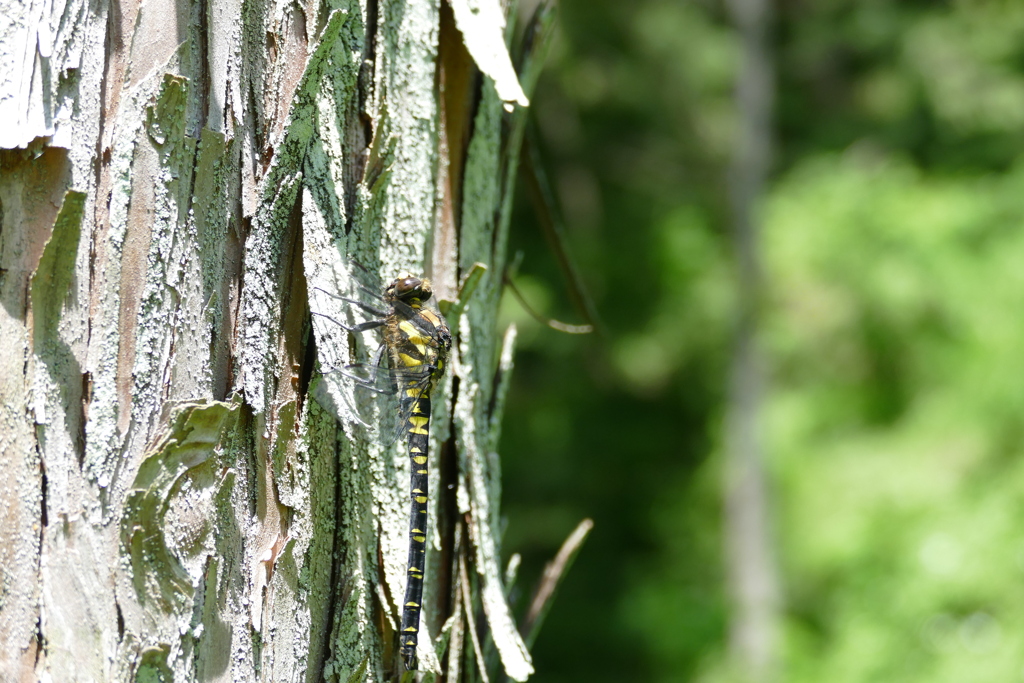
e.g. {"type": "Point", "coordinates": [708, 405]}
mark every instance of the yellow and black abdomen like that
{"type": "Point", "coordinates": [417, 410]}
{"type": "Point", "coordinates": [418, 342]}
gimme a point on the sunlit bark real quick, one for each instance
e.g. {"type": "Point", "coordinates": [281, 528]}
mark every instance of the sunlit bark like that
{"type": "Point", "coordinates": [176, 179]}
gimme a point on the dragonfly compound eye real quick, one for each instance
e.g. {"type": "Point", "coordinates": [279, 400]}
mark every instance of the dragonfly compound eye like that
{"type": "Point", "coordinates": [408, 287]}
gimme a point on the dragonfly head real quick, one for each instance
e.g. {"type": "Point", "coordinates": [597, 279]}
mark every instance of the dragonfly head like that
{"type": "Point", "coordinates": [409, 289]}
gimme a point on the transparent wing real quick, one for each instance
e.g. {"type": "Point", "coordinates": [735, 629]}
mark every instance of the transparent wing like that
{"type": "Point", "coordinates": [347, 314]}
{"type": "Point", "coordinates": [359, 386]}
{"type": "Point", "coordinates": [374, 391]}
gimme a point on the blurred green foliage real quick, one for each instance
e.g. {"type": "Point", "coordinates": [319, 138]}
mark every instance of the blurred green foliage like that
{"type": "Point", "coordinates": [893, 231]}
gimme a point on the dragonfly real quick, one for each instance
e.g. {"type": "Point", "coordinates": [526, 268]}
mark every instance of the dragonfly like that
{"type": "Point", "coordinates": [416, 345]}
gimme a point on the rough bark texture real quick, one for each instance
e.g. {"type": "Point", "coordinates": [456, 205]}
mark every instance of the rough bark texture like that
{"type": "Point", "coordinates": [180, 183]}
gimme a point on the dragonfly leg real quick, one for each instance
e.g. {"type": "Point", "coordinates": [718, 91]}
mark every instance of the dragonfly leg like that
{"type": "Point", "coordinates": [360, 327]}
{"type": "Point", "coordinates": [361, 304]}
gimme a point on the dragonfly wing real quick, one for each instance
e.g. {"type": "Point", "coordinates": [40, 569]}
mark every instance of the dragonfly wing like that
{"type": "Point", "coordinates": [370, 394]}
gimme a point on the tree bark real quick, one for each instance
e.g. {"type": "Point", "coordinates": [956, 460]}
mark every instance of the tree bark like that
{"type": "Point", "coordinates": [179, 184]}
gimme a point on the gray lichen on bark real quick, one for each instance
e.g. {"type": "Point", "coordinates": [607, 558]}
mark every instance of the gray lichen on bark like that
{"type": "Point", "coordinates": [179, 183]}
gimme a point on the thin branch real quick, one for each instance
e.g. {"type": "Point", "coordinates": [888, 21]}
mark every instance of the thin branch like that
{"type": "Point", "coordinates": [539, 188]}
{"type": "Point", "coordinates": [552, 577]}
{"type": "Point", "coordinates": [467, 606]}
{"type": "Point", "coordinates": [550, 322]}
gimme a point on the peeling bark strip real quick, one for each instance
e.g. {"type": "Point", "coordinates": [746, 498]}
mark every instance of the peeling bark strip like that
{"type": "Point", "coordinates": [180, 184]}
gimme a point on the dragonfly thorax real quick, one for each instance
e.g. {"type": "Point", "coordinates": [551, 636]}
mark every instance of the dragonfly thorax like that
{"type": "Point", "coordinates": [416, 337]}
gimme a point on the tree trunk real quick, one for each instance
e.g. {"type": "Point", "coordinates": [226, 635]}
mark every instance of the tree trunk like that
{"type": "Point", "coordinates": [179, 183]}
{"type": "Point", "coordinates": [753, 578]}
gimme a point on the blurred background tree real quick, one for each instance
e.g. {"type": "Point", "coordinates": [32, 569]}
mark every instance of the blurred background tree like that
{"type": "Point", "coordinates": [892, 413]}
